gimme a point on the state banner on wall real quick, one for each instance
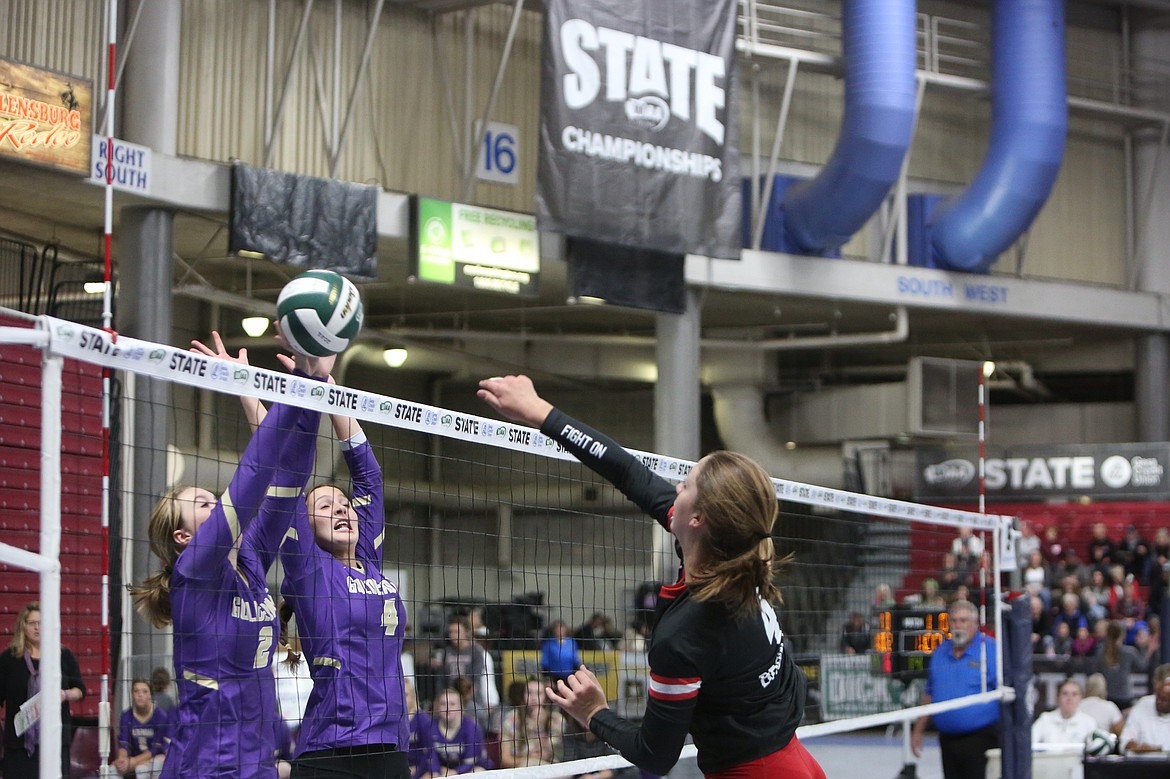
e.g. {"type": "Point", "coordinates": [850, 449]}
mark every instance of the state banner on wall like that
{"type": "Point", "coordinates": [638, 130]}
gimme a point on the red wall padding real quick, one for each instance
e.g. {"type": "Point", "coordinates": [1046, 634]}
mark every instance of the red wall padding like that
{"type": "Point", "coordinates": [81, 483]}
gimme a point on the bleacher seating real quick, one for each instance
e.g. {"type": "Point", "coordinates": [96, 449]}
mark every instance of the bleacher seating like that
{"type": "Point", "coordinates": [84, 762]}
{"type": "Point", "coordinates": [1075, 521]}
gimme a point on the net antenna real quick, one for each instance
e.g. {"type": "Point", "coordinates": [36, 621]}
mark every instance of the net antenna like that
{"type": "Point", "coordinates": [572, 538]}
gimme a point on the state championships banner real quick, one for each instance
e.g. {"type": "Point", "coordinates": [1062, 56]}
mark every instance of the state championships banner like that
{"type": "Point", "coordinates": [637, 130]}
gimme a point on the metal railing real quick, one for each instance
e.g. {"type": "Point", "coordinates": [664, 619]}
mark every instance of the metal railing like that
{"type": "Point", "coordinates": [959, 49]}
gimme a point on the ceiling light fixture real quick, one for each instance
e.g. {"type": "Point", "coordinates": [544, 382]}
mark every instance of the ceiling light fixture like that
{"type": "Point", "coordinates": [254, 326]}
{"type": "Point", "coordinates": [395, 357]}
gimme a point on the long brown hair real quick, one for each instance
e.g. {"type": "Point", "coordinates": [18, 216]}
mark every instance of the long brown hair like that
{"type": "Point", "coordinates": [19, 643]}
{"type": "Point", "coordinates": [737, 500]}
{"type": "Point", "coordinates": [153, 597]}
{"type": "Point", "coordinates": [1111, 652]}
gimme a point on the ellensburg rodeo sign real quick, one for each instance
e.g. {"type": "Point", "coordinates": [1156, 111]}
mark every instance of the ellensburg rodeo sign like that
{"type": "Point", "coordinates": [45, 117]}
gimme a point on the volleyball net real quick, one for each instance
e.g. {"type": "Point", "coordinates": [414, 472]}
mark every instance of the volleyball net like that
{"type": "Point", "coordinates": [493, 529]}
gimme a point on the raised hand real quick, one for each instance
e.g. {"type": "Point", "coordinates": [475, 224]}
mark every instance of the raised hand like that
{"type": "Point", "coordinates": [515, 398]}
{"type": "Point", "coordinates": [220, 350]}
{"type": "Point", "coordinates": [580, 695]}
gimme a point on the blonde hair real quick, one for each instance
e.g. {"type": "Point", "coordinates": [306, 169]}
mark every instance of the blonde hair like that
{"type": "Point", "coordinates": [738, 502]}
{"type": "Point", "coordinates": [19, 643]}
{"type": "Point", "coordinates": [153, 597]}
{"type": "Point", "coordinates": [1095, 686]}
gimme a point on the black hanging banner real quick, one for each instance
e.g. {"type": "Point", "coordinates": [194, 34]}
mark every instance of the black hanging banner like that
{"type": "Point", "coordinates": [637, 129]}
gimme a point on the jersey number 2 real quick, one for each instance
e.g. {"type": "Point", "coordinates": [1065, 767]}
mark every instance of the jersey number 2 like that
{"type": "Point", "coordinates": [264, 648]}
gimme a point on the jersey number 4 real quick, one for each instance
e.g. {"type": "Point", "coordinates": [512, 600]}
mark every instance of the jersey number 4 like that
{"type": "Point", "coordinates": [390, 615]}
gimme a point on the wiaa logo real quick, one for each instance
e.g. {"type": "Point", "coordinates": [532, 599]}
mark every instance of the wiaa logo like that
{"type": "Point", "coordinates": [649, 112]}
{"type": "Point", "coordinates": [951, 473]}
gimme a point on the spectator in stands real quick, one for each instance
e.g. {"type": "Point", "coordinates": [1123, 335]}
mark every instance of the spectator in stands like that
{"type": "Point", "coordinates": [142, 735]}
{"type": "Point", "coordinates": [419, 746]}
{"type": "Point", "coordinates": [1105, 712]}
{"type": "Point", "coordinates": [1062, 639]}
{"type": "Point", "coordinates": [1070, 614]}
{"type": "Point", "coordinates": [932, 597]}
{"type": "Point", "coordinates": [1071, 573]}
{"type": "Point", "coordinates": [1102, 548]}
{"type": "Point", "coordinates": [1147, 728]}
{"type": "Point", "coordinates": [1115, 592]}
{"type": "Point", "coordinates": [635, 637]}
{"type": "Point", "coordinates": [20, 678]}
{"type": "Point", "coordinates": [462, 657]}
{"type": "Point", "coordinates": [533, 730]}
{"type": "Point", "coordinates": [456, 742]}
{"type": "Point", "coordinates": [1053, 547]}
{"type": "Point", "coordinates": [1159, 570]}
{"type": "Point", "coordinates": [1083, 644]}
{"type": "Point", "coordinates": [488, 720]}
{"type": "Point", "coordinates": [883, 598]}
{"type": "Point", "coordinates": [1041, 626]}
{"type": "Point", "coordinates": [1098, 586]}
{"type": "Point", "coordinates": [1095, 610]}
{"type": "Point", "coordinates": [1117, 662]}
{"type": "Point", "coordinates": [1066, 724]}
{"type": "Point", "coordinates": [1027, 543]}
{"type": "Point", "coordinates": [855, 635]}
{"type": "Point", "coordinates": [1133, 552]}
{"type": "Point", "coordinates": [160, 689]}
{"type": "Point", "coordinates": [1038, 578]}
{"type": "Point", "coordinates": [597, 633]}
{"type": "Point", "coordinates": [1161, 547]}
{"type": "Point", "coordinates": [950, 577]}
{"type": "Point", "coordinates": [559, 655]}
{"type": "Point", "coordinates": [967, 545]}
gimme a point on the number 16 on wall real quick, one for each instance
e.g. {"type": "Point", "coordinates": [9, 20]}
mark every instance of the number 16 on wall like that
{"type": "Point", "coordinates": [498, 155]}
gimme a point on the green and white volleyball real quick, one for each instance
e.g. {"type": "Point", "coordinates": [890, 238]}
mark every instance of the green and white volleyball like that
{"type": "Point", "coordinates": [320, 313]}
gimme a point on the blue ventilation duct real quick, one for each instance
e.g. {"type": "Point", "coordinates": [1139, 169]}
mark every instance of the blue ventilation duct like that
{"type": "Point", "coordinates": [1029, 115]}
{"type": "Point", "coordinates": [878, 46]}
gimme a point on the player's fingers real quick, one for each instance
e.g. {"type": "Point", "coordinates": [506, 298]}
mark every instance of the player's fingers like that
{"type": "Point", "coordinates": [217, 341]}
{"type": "Point", "coordinates": [199, 346]}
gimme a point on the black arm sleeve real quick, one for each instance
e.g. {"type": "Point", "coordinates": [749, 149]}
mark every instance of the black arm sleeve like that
{"type": "Point", "coordinates": [608, 459]}
{"type": "Point", "coordinates": [655, 744]}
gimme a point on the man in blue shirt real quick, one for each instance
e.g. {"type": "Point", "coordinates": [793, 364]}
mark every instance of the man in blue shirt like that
{"type": "Point", "coordinates": [962, 665]}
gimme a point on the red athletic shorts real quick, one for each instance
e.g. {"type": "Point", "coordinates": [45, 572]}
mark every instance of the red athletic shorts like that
{"type": "Point", "coordinates": [791, 762]}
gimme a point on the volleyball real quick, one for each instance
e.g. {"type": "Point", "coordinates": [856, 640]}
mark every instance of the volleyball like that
{"type": "Point", "coordinates": [320, 313]}
{"type": "Point", "coordinates": [1101, 743]}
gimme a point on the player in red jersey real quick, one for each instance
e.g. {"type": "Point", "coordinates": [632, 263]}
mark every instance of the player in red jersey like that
{"type": "Point", "coordinates": [720, 665]}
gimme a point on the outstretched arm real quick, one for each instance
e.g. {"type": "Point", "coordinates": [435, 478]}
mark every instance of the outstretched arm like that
{"type": "Point", "coordinates": [516, 398]}
{"type": "Point", "coordinates": [254, 410]}
{"type": "Point", "coordinates": [218, 537]}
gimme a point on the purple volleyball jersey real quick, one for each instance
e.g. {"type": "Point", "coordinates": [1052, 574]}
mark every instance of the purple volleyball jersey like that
{"type": "Point", "coordinates": [225, 625]}
{"type": "Point", "coordinates": [351, 624]}
{"type": "Point", "coordinates": [463, 752]}
{"type": "Point", "coordinates": [136, 736]}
